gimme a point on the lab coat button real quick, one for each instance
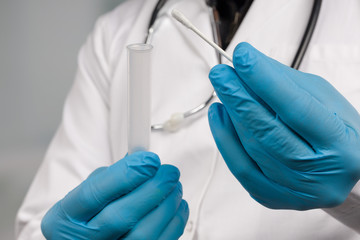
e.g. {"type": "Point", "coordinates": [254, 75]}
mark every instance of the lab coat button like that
{"type": "Point", "coordinates": [189, 226]}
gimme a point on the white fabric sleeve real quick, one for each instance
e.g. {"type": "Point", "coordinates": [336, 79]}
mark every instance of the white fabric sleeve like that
{"type": "Point", "coordinates": [348, 212]}
{"type": "Point", "coordinates": [81, 143]}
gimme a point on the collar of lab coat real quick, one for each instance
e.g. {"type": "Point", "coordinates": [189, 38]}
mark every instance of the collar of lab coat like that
{"type": "Point", "coordinates": [275, 27]}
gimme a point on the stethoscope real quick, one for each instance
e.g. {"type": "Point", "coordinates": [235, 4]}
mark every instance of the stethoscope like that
{"type": "Point", "coordinates": [176, 120]}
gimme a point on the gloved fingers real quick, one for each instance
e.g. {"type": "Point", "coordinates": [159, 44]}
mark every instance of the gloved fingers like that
{"type": "Point", "coordinates": [261, 188]}
{"type": "Point", "coordinates": [108, 184]}
{"type": "Point", "coordinates": [276, 85]}
{"type": "Point", "coordinates": [175, 228]}
{"type": "Point", "coordinates": [57, 225]}
{"type": "Point", "coordinates": [97, 172]}
{"type": "Point", "coordinates": [260, 131]}
{"type": "Point", "coordinates": [227, 141]}
{"type": "Point", "coordinates": [121, 215]}
{"type": "Point", "coordinates": [152, 225]}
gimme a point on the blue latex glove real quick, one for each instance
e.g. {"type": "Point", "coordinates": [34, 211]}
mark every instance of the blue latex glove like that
{"type": "Point", "coordinates": [289, 137]}
{"type": "Point", "coordinates": [135, 198]}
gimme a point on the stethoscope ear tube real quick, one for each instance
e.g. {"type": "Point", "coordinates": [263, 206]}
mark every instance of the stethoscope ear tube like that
{"type": "Point", "coordinates": [309, 31]}
{"type": "Point", "coordinates": [160, 4]}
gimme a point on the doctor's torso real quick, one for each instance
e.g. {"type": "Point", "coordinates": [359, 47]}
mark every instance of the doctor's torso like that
{"type": "Point", "coordinates": [219, 206]}
{"type": "Point", "coordinates": [93, 131]}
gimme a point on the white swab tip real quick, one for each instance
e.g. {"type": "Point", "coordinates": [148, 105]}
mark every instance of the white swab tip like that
{"type": "Point", "coordinates": [181, 18]}
{"type": "Point", "coordinates": [177, 14]}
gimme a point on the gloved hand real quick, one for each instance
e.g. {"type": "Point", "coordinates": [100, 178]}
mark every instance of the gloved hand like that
{"type": "Point", "coordinates": [289, 137]}
{"type": "Point", "coordinates": [135, 198]}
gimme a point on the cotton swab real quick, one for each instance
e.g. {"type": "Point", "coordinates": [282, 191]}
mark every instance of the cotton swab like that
{"type": "Point", "coordinates": [179, 16]}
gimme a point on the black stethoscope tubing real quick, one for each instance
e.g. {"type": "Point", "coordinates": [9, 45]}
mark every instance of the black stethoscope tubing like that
{"type": "Point", "coordinates": [309, 31]}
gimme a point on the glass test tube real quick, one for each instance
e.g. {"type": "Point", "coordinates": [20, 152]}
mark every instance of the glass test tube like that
{"type": "Point", "coordinates": [139, 69]}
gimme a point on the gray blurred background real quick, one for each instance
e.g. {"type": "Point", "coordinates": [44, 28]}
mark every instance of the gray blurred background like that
{"type": "Point", "coordinates": [39, 42]}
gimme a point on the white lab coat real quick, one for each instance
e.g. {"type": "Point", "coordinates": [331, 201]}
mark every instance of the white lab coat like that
{"type": "Point", "coordinates": [93, 128]}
